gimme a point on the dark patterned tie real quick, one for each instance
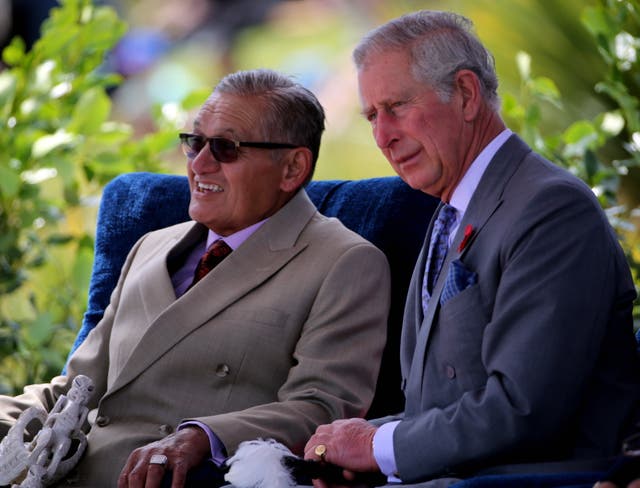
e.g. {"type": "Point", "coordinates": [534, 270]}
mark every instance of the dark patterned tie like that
{"type": "Point", "coordinates": [210, 259]}
{"type": "Point", "coordinates": [438, 247]}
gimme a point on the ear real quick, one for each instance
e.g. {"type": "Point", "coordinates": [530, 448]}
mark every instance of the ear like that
{"type": "Point", "coordinates": [468, 86]}
{"type": "Point", "coordinates": [296, 169]}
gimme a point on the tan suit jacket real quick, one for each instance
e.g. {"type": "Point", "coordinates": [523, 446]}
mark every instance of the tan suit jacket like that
{"type": "Point", "coordinates": [286, 333]}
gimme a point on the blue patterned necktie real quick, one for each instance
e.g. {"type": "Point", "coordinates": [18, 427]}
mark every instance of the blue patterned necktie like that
{"type": "Point", "coordinates": [438, 247]}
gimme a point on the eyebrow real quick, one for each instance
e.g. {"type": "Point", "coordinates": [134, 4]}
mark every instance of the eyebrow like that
{"type": "Point", "coordinates": [371, 108]}
{"type": "Point", "coordinates": [366, 111]}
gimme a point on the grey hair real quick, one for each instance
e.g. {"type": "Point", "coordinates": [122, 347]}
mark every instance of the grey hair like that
{"type": "Point", "coordinates": [440, 44]}
{"type": "Point", "coordinates": [291, 113]}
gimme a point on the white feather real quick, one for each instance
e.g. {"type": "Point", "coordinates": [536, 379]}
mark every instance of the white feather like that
{"type": "Point", "coordinates": [258, 464]}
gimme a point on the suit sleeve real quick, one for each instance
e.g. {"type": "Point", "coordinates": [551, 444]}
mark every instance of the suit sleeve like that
{"type": "Point", "coordinates": [560, 278]}
{"type": "Point", "coordinates": [336, 359]}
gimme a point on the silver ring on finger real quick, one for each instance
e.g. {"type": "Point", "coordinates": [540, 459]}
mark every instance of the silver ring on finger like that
{"type": "Point", "coordinates": [159, 459]}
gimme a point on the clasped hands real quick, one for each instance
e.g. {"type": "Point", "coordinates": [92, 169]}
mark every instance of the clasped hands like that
{"type": "Point", "coordinates": [348, 444]}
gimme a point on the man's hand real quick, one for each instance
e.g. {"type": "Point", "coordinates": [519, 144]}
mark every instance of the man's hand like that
{"type": "Point", "coordinates": [184, 449]}
{"type": "Point", "coordinates": [348, 443]}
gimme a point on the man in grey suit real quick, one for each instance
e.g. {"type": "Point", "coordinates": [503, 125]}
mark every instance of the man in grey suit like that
{"type": "Point", "coordinates": [284, 334]}
{"type": "Point", "coordinates": [521, 349]}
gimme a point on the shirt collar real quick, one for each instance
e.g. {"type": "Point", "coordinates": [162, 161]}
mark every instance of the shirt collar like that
{"type": "Point", "coordinates": [464, 191]}
{"type": "Point", "coordinates": [236, 239]}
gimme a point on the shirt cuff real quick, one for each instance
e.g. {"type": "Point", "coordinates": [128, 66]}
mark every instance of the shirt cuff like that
{"type": "Point", "coordinates": [218, 451]}
{"type": "Point", "coordinates": [383, 451]}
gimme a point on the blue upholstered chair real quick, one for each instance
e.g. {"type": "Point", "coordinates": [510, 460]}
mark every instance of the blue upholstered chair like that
{"type": "Point", "coordinates": [383, 210]}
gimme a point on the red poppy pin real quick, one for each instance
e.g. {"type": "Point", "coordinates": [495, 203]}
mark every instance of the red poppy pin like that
{"type": "Point", "coordinates": [468, 232]}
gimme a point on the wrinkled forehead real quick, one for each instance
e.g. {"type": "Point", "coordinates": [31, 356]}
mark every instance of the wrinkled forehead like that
{"type": "Point", "coordinates": [229, 113]}
{"type": "Point", "coordinates": [385, 78]}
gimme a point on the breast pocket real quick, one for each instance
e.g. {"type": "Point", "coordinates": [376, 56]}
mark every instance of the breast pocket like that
{"type": "Point", "coordinates": [458, 339]}
{"type": "Point", "coordinates": [265, 341]}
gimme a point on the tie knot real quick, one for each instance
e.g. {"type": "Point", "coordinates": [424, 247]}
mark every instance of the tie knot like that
{"type": "Point", "coordinates": [218, 249]}
{"type": "Point", "coordinates": [444, 221]}
{"type": "Point", "coordinates": [447, 215]}
{"type": "Point", "coordinates": [210, 259]}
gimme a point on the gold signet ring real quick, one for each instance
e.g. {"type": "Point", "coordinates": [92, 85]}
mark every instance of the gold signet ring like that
{"type": "Point", "coordinates": [320, 450]}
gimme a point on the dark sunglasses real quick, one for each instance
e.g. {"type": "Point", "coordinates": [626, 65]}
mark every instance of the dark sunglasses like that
{"type": "Point", "coordinates": [223, 149]}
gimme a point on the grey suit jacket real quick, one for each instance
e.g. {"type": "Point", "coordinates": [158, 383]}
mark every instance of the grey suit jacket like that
{"type": "Point", "coordinates": [285, 334]}
{"type": "Point", "coordinates": [536, 361]}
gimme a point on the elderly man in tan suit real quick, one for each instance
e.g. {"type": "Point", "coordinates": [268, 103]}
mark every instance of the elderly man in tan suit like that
{"type": "Point", "coordinates": [282, 335]}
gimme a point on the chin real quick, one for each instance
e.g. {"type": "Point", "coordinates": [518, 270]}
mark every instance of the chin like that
{"type": "Point", "coordinates": [199, 214]}
{"type": "Point", "coordinates": [414, 181]}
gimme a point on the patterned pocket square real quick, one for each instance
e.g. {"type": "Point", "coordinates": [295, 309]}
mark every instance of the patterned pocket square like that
{"type": "Point", "coordinates": [459, 279]}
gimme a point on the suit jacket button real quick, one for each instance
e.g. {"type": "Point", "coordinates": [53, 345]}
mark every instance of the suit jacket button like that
{"type": "Point", "coordinates": [222, 370]}
{"type": "Point", "coordinates": [165, 429]}
{"type": "Point", "coordinates": [451, 372]}
{"type": "Point", "coordinates": [102, 421]}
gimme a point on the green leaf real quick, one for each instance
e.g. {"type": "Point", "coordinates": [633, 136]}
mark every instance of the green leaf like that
{"type": "Point", "coordinates": [594, 19]}
{"type": "Point", "coordinates": [56, 41]}
{"type": "Point", "coordinates": [9, 182]}
{"type": "Point", "coordinates": [14, 53]}
{"type": "Point", "coordinates": [81, 271]}
{"type": "Point", "coordinates": [8, 84]}
{"type": "Point", "coordinates": [546, 88]}
{"type": "Point", "coordinates": [578, 131]}
{"type": "Point", "coordinates": [160, 141]}
{"type": "Point", "coordinates": [111, 135]}
{"type": "Point", "coordinates": [38, 332]}
{"type": "Point", "coordinates": [104, 29]}
{"type": "Point", "coordinates": [532, 115]}
{"type": "Point", "coordinates": [580, 137]}
{"type": "Point", "coordinates": [57, 239]}
{"type": "Point", "coordinates": [67, 170]}
{"type": "Point", "coordinates": [91, 111]}
{"type": "Point", "coordinates": [511, 107]}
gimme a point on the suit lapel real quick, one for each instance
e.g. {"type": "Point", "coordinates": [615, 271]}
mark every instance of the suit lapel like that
{"type": "Point", "coordinates": [413, 314]}
{"type": "Point", "coordinates": [155, 284]}
{"type": "Point", "coordinates": [488, 195]}
{"type": "Point", "coordinates": [269, 249]}
{"type": "Point", "coordinates": [486, 199]}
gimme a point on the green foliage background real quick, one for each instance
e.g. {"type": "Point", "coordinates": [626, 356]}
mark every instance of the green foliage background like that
{"type": "Point", "coordinates": [58, 147]}
{"type": "Point", "coordinates": [61, 142]}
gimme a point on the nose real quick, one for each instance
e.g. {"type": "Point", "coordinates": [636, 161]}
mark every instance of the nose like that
{"type": "Point", "coordinates": [204, 162]}
{"type": "Point", "coordinates": [384, 130]}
